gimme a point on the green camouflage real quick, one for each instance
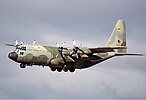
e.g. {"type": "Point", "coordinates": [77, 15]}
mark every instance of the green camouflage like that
{"type": "Point", "coordinates": [60, 58]}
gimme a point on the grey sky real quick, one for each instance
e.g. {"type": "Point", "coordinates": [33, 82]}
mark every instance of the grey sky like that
{"type": "Point", "coordinates": [90, 22]}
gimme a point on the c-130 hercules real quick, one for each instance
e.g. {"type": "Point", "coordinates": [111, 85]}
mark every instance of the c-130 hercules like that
{"type": "Point", "coordinates": [60, 58]}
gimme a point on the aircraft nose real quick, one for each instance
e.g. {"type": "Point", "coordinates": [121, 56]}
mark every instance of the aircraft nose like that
{"type": "Point", "coordinates": [13, 56]}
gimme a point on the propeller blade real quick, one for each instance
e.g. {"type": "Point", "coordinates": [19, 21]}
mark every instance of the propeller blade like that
{"type": "Point", "coordinates": [76, 50]}
{"type": "Point", "coordinates": [57, 55]}
{"type": "Point", "coordinates": [74, 43]}
{"type": "Point", "coordinates": [80, 45]}
{"type": "Point", "coordinates": [60, 51]}
{"type": "Point", "coordinates": [10, 45]}
{"type": "Point", "coordinates": [21, 43]}
{"type": "Point", "coordinates": [81, 50]}
{"type": "Point", "coordinates": [77, 55]}
{"type": "Point", "coordinates": [34, 41]}
{"type": "Point", "coordinates": [63, 44]}
{"type": "Point", "coordinates": [16, 42]}
{"type": "Point", "coordinates": [57, 44]}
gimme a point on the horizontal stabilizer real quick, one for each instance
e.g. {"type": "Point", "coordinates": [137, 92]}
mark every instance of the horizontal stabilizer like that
{"type": "Point", "coordinates": [129, 54]}
{"type": "Point", "coordinates": [106, 49]}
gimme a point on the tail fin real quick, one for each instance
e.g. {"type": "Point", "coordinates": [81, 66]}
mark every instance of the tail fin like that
{"type": "Point", "coordinates": [118, 37]}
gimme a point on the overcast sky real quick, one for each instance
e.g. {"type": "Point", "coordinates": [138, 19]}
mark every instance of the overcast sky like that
{"type": "Point", "coordinates": [90, 22]}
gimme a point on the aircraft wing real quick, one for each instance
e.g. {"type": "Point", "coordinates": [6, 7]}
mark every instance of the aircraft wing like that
{"type": "Point", "coordinates": [106, 49]}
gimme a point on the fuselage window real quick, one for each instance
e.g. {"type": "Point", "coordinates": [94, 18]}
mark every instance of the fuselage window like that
{"type": "Point", "coordinates": [21, 53]}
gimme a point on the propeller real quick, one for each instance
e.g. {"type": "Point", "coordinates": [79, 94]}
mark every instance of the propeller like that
{"type": "Point", "coordinates": [21, 43]}
{"type": "Point", "coordinates": [16, 44]}
{"type": "Point", "coordinates": [60, 50]}
{"type": "Point", "coordinates": [34, 41]}
{"type": "Point", "coordinates": [76, 49]}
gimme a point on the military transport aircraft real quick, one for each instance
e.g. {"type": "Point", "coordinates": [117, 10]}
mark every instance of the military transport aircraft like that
{"type": "Point", "coordinates": [61, 58]}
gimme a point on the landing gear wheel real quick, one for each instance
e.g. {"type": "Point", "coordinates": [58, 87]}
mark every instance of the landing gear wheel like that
{"type": "Point", "coordinates": [53, 69]}
{"type": "Point", "coordinates": [65, 70]}
{"type": "Point", "coordinates": [59, 69]}
{"type": "Point", "coordinates": [72, 70]}
{"type": "Point", "coordinates": [22, 65]}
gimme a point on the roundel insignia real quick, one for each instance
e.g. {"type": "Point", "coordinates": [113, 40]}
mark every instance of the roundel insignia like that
{"type": "Point", "coordinates": [119, 41]}
{"type": "Point", "coordinates": [119, 28]}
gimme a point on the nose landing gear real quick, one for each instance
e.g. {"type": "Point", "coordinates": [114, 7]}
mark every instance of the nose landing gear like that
{"type": "Point", "coordinates": [22, 65]}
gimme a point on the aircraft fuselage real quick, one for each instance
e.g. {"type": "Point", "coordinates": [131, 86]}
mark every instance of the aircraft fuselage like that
{"type": "Point", "coordinates": [60, 58]}
{"type": "Point", "coordinates": [49, 56]}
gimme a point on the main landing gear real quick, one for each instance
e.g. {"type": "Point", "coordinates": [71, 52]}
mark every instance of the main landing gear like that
{"type": "Point", "coordinates": [54, 68]}
{"type": "Point", "coordinates": [64, 69]}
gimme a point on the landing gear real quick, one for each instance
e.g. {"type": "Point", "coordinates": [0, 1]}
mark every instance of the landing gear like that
{"type": "Point", "coordinates": [53, 69]}
{"type": "Point", "coordinates": [72, 70]}
{"type": "Point", "coordinates": [22, 65]}
{"type": "Point", "coordinates": [59, 69]}
{"type": "Point", "coordinates": [65, 69]}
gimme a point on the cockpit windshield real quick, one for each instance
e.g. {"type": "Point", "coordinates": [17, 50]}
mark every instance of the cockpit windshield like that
{"type": "Point", "coordinates": [21, 48]}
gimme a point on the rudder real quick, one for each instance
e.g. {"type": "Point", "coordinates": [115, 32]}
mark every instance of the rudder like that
{"type": "Point", "coordinates": [118, 36]}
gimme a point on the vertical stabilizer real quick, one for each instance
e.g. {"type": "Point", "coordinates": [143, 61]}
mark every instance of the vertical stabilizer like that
{"type": "Point", "coordinates": [118, 36]}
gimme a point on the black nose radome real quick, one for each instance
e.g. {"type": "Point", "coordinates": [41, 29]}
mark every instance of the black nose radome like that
{"type": "Point", "coordinates": [13, 56]}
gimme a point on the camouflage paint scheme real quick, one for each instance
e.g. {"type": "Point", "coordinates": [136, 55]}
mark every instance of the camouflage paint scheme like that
{"type": "Point", "coordinates": [47, 56]}
{"type": "Point", "coordinates": [50, 56]}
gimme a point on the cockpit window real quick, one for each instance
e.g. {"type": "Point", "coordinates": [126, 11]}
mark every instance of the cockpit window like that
{"type": "Point", "coordinates": [17, 47]}
{"type": "Point", "coordinates": [21, 48]}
